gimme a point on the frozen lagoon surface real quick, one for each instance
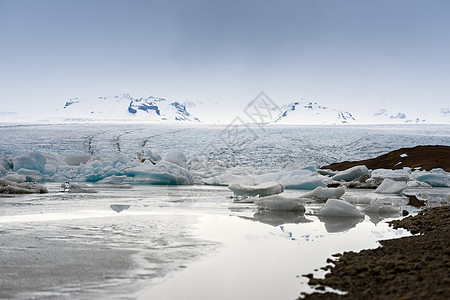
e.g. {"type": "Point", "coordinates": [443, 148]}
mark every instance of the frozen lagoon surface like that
{"type": "Point", "coordinates": [183, 242]}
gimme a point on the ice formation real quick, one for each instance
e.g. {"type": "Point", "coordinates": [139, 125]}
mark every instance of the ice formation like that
{"type": "Point", "coordinates": [397, 175]}
{"type": "Point", "coordinates": [261, 190]}
{"type": "Point", "coordinates": [389, 186]}
{"type": "Point", "coordinates": [352, 173]}
{"type": "Point", "coordinates": [339, 208]}
{"type": "Point", "coordinates": [280, 203]}
{"type": "Point", "coordinates": [435, 178]}
{"type": "Point", "coordinates": [323, 194]}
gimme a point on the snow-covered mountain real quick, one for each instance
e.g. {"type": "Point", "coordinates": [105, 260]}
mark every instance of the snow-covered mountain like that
{"type": "Point", "coordinates": [385, 116]}
{"type": "Point", "coordinates": [125, 107]}
{"type": "Point", "coordinates": [307, 112]}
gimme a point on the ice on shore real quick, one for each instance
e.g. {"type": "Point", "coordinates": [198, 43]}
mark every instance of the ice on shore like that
{"type": "Point", "coordinates": [352, 173]}
{"type": "Point", "coordinates": [280, 203]}
{"type": "Point", "coordinates": [389, 186]}
{"type": "Point", "coordinates": [261, 190]}
{"type": "Point", "coordinates": [339, 208]}
{"type": "Point", "coordinates": [76, 188]}
{"type": "Point", "coordinates": [323, 194]}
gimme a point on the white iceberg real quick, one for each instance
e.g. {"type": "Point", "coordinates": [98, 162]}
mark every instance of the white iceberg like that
{"type": "Point", "coordinates": [261, 190]}
{"type": "Point", "coordinates": [352, 173]}
{"type": "Point", "coordinates": [397, 175]}
{"type": "Point", "coordinates": [321, 193]}
{"type": "Point", "coordinates": [339, 208]}
{"type": "Point", "coordinates": [435, 178]}
{"type": "Point", "coordinates": [280, 203]}
{"type": "Point", "coordinates": [389, 186]}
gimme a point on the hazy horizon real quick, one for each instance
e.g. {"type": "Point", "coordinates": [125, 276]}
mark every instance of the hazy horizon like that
{"type": "Point", "coordinates": [357, 56]}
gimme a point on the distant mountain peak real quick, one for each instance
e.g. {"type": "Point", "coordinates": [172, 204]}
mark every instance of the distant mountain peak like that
{"type": "Point", "coordinates": [308, 112]}
{"type": "Point", "coordinates": [125, 107]}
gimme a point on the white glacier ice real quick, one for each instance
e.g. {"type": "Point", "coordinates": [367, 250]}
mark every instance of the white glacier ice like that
{"type": "Point", "coordinates": [321, 193]}
{"type": "Point", "coordinates": [280, 203]}
{"type": "Point", "coordinates": [351, 173]}
{"type": "Point", "coordinates": [262, 190]}
{"type": "Point", "coordinates": [389, 186]}
{"type": "Point", "coordinates": [339, 208]}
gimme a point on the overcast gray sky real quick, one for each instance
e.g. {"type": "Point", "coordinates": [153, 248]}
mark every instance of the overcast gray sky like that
{"type": "Point", "coordinates": [352, 54]}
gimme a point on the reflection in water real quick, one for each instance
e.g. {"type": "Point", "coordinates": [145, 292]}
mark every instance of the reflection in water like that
{"type": "Point", "coordinates": [119, 207]}
{"type": "Point", "coordinates": [276, 218]}
{"type": "Point", "coordinates": [378, 217]}
{"type": "Point", "coordinates": [339, 224]}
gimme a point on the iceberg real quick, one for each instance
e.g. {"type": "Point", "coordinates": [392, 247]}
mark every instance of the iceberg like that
{"type": "Point", "coordinates": [397, 175]}
{"type": "Point", "coordinates": [280, 203]}
{"type": "Point", "coordinates": [435, 178]}
{"type": "Point", "coordinates": [261, 190]}
{"type": "Point", "coordinates": [389, 186]}
{"type": "Point", "coordinates": [339, 208]}
{"type": "Point", "coordinates": [323, 194]}
{"type": "Point", "coordinates": [352, 173]}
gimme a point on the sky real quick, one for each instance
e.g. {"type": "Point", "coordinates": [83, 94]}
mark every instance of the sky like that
{"type": "Point", "coordinates": [351, 54]}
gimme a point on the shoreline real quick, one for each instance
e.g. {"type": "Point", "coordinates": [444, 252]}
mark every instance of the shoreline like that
{"type": "Point", "coordinates": [415, 267]}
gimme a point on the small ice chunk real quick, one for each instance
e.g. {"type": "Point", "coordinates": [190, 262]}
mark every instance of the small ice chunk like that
{"type": "Point", "coordinates": [404, 155]}
{"type": "Point", "coordinates": [321, 193]}
{"type": "Point", "coordinates": [280, 203]}
{"type": "Point", "coordinates": [263, 189]}
{"type": "Point", "coordinates": [76, 188]}
{"type": "Point", "coordinates": [389, 186]}
{"type": "Point", "coordinates": [339, 208]}
{"type": "Point", "coordinates": [352, 173]}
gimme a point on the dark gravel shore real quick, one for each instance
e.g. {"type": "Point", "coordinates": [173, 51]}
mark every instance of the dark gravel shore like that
{"type": "Point", "coordinates": [416, 267]}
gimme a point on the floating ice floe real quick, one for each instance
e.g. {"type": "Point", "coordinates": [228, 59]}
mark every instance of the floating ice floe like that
{"type": "Point", "coordinates": [397, 175]}
{"type": "Point", "coordinates": [76, 188]}
{"type": "Point", "coordinates": [321, 193]}
{"type": "Point", "coordinates": [261, 190]}
{"type": "Point", "coordinates": [280, 203]}
{"type": "Point", "coordinates": [435, 178]}
{"type": "Point", "coordinates": [417, 184]}
{"type": "Point", "coordinates": [352, 173]}
{"type": "Point", "coordinates": [339, 208]}
{"type": "Point", "coordinates": [389, 186]}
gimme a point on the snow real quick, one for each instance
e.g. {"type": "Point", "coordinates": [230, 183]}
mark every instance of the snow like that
{"type": "Point", "coordinates": [261, 190]}
{"type": "Point", "coordinates": [351, 173]}
{"type": "Point", "coordinates": [389, 186]}
{"type": "Point", "coordinates": [280, 203]}
{"type": "Point", "coordinates": [321, 193]}
{"type": "Point", "coordinates": [339, 208]}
